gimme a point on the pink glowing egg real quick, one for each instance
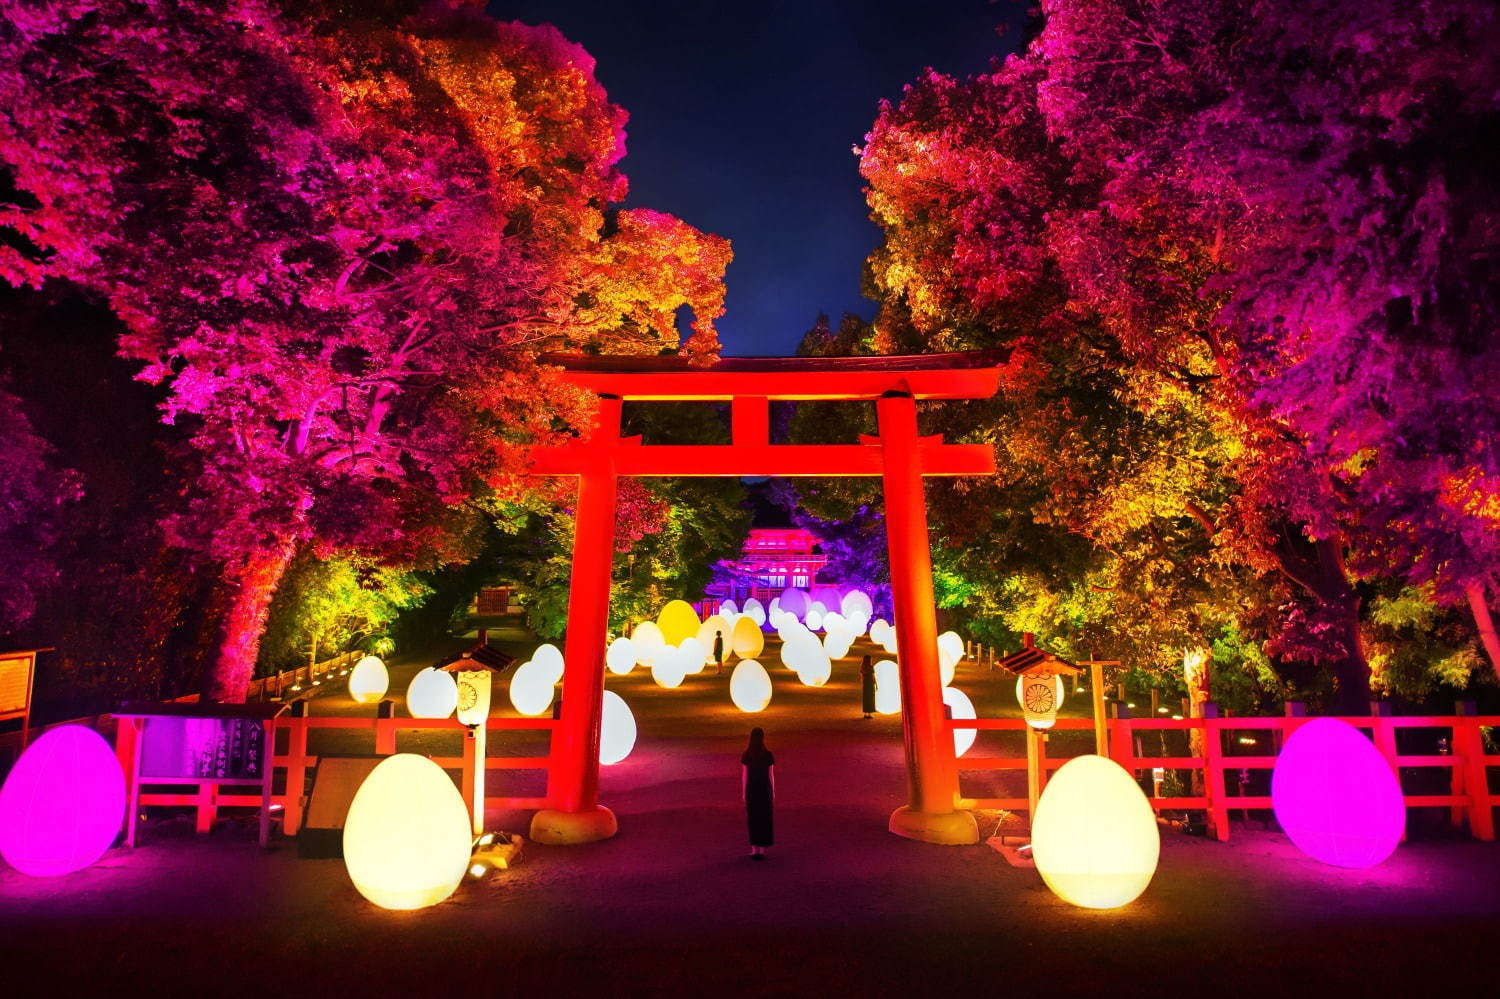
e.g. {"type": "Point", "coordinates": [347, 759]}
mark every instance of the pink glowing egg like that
{"type": "Point", "coordinates": [1336, 797]}
{"type": "Point", "coordinates": [62, 805]}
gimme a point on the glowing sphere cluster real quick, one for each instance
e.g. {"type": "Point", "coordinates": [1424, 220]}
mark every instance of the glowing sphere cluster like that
{"type": "Point", "coordinates": [62, 804]}
{"type": "Point", "coordinates": [617, 729]}
{"type": "Point", "coordinates": [750, 686]}
{"type": "Point", "coordinates": [961, 707]}
{"type": "Point", "coordinates": [1335, 796]}
{"type": "Point", "coordinates": [432, 693]}
{"type": "Point", "coordinates": [369, 680]}
{"type": "Point", "coordinates": [532, 687]}
{"type": "Point", "coordinates": [407, 835]}
{"type": "Point", "coordinates": [1094, 837]}
{"type": "Point", "coordinates": [677, 621]}
{"type": "Point", "coordinates": [621, 656]}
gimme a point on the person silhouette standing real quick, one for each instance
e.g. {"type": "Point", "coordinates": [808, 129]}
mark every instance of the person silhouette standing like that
{"type": "Point", "coordinates": [758, 784]}
{"type": "Point", "coordinates": [867, 685]}
{"type": "Point", "coordinates": [719, 649]}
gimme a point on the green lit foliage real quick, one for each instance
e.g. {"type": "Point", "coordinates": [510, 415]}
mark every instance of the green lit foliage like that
{"type": "Point", "coordinates": [1417, 646]}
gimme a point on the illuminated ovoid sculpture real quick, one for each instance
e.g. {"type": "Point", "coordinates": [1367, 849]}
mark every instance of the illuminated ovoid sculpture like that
{"type": "Point", "coordinates": [747, 639]}
{"type": "Point", "coordinates": [801, 647]}
{"type": "Point", "coordinates": [730, 610]}
{"type": "Point", "coordinates": [369, 681]}
{"type": "Point", "coordinates": [755, 611]}
{"type": "Point", "coordinates": [1094, 836]}
{"type": "Point", "coordinates": [889, 641]}
{"type": "Point", "coordinates": [836, 644]}
{"type": "Point", "coordinates": [887, 687]}
{"type": "Point", "coordinates": [750, 686]}
{"type": "Point", "coordinates": [828, 596]}
{"type": "Point", "coordinates": [550, 661]}
{"type": "Point", "coordinates": [407, 835]}
{"type": "Point", "coordinates": [62, 803]}
{"type": "Point", "coordinates": [878, 630]}
{"type": "Point", "coordinates": [814, 619]}
{"type": "Point", "coordinates": [693, 656]}
{"type": "Point", "coordinates": [959, 706]}
{"type": "Point", "coordinates": [856, 604]}
{"type": "Point", "coordinates": [1335, 796]}
{"type": "Point", "coordinates": [432, 693]}
{"type": "Point", "coordinates": [715, 624]}
{"type": "Point", "coordinates": [616, 729]}
{"type": "Point", "coordinates": [794, 602]}
{"type": "Point", "coordinates": [531, 688]}
{"type": "Point", "coordinates": [678, 621]}
{"type": "Point", "coordinates": [834, 623]}
{"type": "Point", "coordinates": [647, 638]}
{"type": "Point", "coordinates": [669, 670]}
{"type": "Point", "coordinates": [950, 652]}
{"type": "Point", "coordinates": [621, 656]}
{"type": "Point", "coordinates": [816, 668]}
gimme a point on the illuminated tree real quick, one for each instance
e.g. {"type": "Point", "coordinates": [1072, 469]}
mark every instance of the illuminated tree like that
{"type": "Point", "coordinates": [34, 496]}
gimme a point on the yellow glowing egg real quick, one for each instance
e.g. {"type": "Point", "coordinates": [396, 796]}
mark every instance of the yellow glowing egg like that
{"type": "Point", "coordinates": [887, 687]}
{"type": "Point", "coordinates": [747, 639]}
{"type": "Point", "coordinates": [621, 656]}
{"type": "Point", "coordinates": [531, 688]}
{"type": "Point", "coordinates": [1094, 838]}
{"type": "Point", "coordinates": [677, 621]}
{"type": "Point", "coordinates": [714, 625]}
{"type": "Point", "coordinates": [959, 706]}
{"type": "Point", "coordinates": [616, 729]}
{"type": "Point", "coordinates": [432, 693]}
{"type": "Point", "coordinates": [750, 686]}
{"type": "Point", "coordinates": [550, 661]}
{"type": "Point", "coordinates": [369, 681]}
{"type": "Point", "coordinates": [407, 835]}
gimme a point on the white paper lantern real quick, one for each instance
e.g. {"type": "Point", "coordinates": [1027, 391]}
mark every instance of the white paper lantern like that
{"type": "Point", "coordinates": [407, 834]}
{"type": "Point", "coordinates": [1040, 698]}
{"type": "Point", "coordinates": [621, 656]}
{"type": "Point", "coordinates": [755, 611]}
{"type": "Point", "coordinates": [616, 729]}
{"type": "Point", "coordinates": [432, 693]}
{"type": "Point", "coordinates": [750, 686]}
{"type": "Point", "coordinates": [369, 681]}
{"type": "Point", "coordinates": [887, 687]}
{"type": "Point", "coordinates": [959, 706]}
{"type": "Point", "coordinates": [550, 661]}
{"type": "Point", "coordinates": [531, 688]}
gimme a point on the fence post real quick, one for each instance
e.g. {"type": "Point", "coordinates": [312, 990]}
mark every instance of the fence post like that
{"type": "Point", "coordinates": [1213, 772]}
{"type": "Point", "coordinates": [1384, 736]}
{"type": "Point", "coordinates": [1121, 740]}
{"type": "Point", "coordinates": [385, 728]}
{"type": "Point", "coordinates": [1468, 745]}
{"type": "Point", "coordinates": [296, 767]}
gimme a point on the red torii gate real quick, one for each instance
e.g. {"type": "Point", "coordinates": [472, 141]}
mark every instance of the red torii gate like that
{"type": "Point", "coordinates": [899, 455]}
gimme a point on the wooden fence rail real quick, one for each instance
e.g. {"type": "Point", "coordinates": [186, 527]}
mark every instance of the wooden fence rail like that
{"type": "Point", "coordinates": [1469, 799]}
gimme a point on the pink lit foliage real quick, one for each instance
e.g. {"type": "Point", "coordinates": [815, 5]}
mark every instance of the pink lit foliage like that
{"type": "Point", "coordinates": [34, 496]}
{"type": "Point", "coordinates": [339, 240]}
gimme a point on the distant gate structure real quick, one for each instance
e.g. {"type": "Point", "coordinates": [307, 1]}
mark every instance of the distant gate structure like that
{"type": "Point", "coordinates": [898, 454]}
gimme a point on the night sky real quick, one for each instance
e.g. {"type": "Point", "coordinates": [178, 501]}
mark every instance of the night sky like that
{"type": "Point", "coordinates": [742, 116]}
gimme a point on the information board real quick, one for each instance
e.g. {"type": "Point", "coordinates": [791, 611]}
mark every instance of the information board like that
{"type": "Point", "coordinates": [217, 749]}
{"type": "Point", "coordinates": [15, 683]}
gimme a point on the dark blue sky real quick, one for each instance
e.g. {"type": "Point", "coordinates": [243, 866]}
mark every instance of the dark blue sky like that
{"type": "Point", "coordinates": [742, 116]}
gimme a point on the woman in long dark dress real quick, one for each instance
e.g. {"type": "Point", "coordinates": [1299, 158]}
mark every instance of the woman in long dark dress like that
{"type": "Point", "coordinates": [867, 685]}
{"type": "Point", "coordinates": [758, 781]}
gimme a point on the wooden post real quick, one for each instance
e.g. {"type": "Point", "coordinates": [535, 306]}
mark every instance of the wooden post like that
{"type": "Point", "coordinates": [207, 808]}
{"type": "Point", "coordinates": [127, 748]}
{"type": "Point", "coordinates": [1101, 729]}
{"type": "Point", "coordinates": [296, 768]}
{"type": "Point", "coordinates": [1213, 773]}
{"type": "Point", "coordinates": [1468, 744]}
{"type": "Point", "coordinates": [385, 728]}
{"type": "Point", "coordinates": [1033, 772]}
{"type": "Point", "coordinates": [474, 774]}
{"type": "Point", "coordinates": [267, 774]}
{"type": "Point", "coordinates": [1384, 737]}
{"type": "Point", "coordinates": [1121, 748]}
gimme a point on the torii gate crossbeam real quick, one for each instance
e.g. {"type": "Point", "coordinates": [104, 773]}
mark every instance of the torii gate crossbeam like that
{"type": "Point", "coordinates": [898, 454]}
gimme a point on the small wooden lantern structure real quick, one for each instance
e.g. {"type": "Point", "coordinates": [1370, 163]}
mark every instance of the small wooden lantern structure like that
{"type": "Point", "coordinates": [1037, 670]}
{"type": "Point", "coordinates": [474, 672]}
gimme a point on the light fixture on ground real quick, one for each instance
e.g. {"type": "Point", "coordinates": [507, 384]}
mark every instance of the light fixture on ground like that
{"type": "Point", "coordinates": [621, 656]}
{"type": "Point", "coordinates": [432, 693]}
{"type": "Point", "coordinates": [617, 729]}
{"type": "Point", "coordinates": [407, 837]}
{"type": "Point", "coordinates": [959, 706]}
{"type": "Point", "coordinates": [678, 621]}
{"type": "Point", "coordinates": [532, 688]}
{"type": "Point", "coordinates": [62, 803]}
{"type": "Point", "coordinates": [750, 686]}
{"type": "Point", "coordinates": [1335, 796]}
{"type": "Point", "coordinates": [1094, 836]}
{"type": "Point", "coordinates": [369, 681]}
{"type": "Point", "coordinates": [747, 639]}
{"type": "Point", "coordinates": [887, 687]}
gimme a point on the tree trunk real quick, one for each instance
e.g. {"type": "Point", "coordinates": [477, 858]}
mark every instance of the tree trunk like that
{"type": "Point", "coordinates": [1195, 677]}
{"type": "Point", "coordinates": [1322, 575]}
{"type": "Point", "coordinates": [1351, 670]}
{"type": "Point", "coordinates": [1485, 624]}
{"type": "Point", "coordinates": [253, 586]}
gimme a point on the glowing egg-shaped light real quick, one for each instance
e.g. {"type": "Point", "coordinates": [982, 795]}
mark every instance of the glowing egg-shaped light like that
{"type": "Point", "coordinates": [616, 729]}
{"type": "Point", "coordinates": [621, 656]}
{"type": "Point", "coordinates": [878, 628]}
{"type": "Point", "coordinates": [835, 623]}
{"type": "Point", "coordinates": [62, 803]}
{"type": "Point", "coordinates": [1094, 837]}
{"type": "Point", "coordinates": [794, 602]}
{"type": "Point", "coordinates": [432, 693]}
{"type": "Point", "coordinates": [775, 605]}
{"type": "Point", "coordinates": [856, 603]}
{"type": "Point", "coordinates": [714, 625]}
{"type": "Point", "coordinates": [816, 670]}
{"type": "Point", "coordinates": [677, 621]}
{"type": "Point", "coordinates": [550, 661]}
{"type": "Point", "coordinates": [407, 837]}
{"type": "Point", "coordinates": [729, 609]}
{"type": "Point", "coordinates": [531, 688]}
{"type": "Point", "coordinates": [750, 686]}
{"type": "Point", "coordinates": [755, 611]}
{"type": "Point", "coordinates": [815, 618]}
{"type": "Point", "coordinates": [800, 648]}
{"type": "Point", "coordinates": [1335, 796]}
{"type": "Point", "coordinates": [828, 596]}
{"type": "Point", "coordinates": [647, 638]}
{"type": "Point", "coordinates": [858, 625]}
{"type": "Point", "coordinates": [747, 639]}
{"type": "Point", "coordinates": [887, 687]}
{"type": "Point", "coordinates": [959, 706]}
{"type": "Point", "coordinates": [889, 643]}
{"type": "Point", "coordinates": [694, 656]}
{"type": "Point", "coordinates": [950, 653]}
{"type": "Point", "coordinates": [836, 645]}
{"type": "Point", "coordinates": [669, 670]}
{"type": "Point", "coordinates": [369, 681]}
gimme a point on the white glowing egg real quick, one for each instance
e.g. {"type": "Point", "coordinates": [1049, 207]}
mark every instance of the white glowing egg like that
{"type": "Point", "coordinates": [794, 602]}
{"type": "Point", "coordinates": [369, 681]}
{"type": "Point", "coordinates": [959, 706]}
{"type": "Point", "coordinates": [694, 656]}
{"type": "Point", "coordinates": [828, 596]}
{"type": "Point", "coordinates": [432, 693]}
{"type": "Point", "coordinates": [887, 687]}
{"type": "Point", "coordinates": [858, 625]}
{"type": "Point", "coordinates": [834, 623]}
{"type": "Point", "coordinates": [950, 654]}
{"type": "Point", "coordinates": [678, 621]}
{"type": "Point", "coordinates": [775, 605]}
{"type": "Point", "coordinates": [62, 803]}
{"type": "Point", "coordinates": [407, 834]}
{"type": "Point", "coordinates": [1094, 839]}
{"type": "Point", "coordinates": [714, 625]}
{"type": "Point", "coordinates": [531, 688]}
{"type": "Point", "coordinates": [815, 619]}
{"type": "Point", "coordinates": [816, 669]}
{"type": "Point", "coordinates": [750, 686]}
{"type": "Point", "coordinates": [747, 639]}
{"type": "Point", "coordinates": [669, 670]}
{"type": "Point", "coordinates": [729, 609]}
{"type": "Point", "coordinates": [621, 656]}
{"type": "Point", "coordinates": [836, 645]}
{"type": "Point", "coordinates": [856, 603]}
{"type": "Point", "coordinates": [878, 629]}
{"type": "Point", "coordinates": [800, 649]}
{"type": "Point", "coordinates": [550, 661]}
{"type": "Point", "coordinates": [616, 729]}
{"type": "Point", "coordinates": [647, 638]}
{"type": "Point", "coordinates": [755, 611]}
{"type": "Point", "coordinates": [890, 644]}
{"type": "Point", "coordinates": [817, 607]}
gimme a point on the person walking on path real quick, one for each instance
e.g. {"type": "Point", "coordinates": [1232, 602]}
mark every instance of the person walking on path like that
{"type": "Point", "coordinates": [867, 685]}
{"type": "Point", "coordinates": [719, 649]}
{"type": "Point", "coordinates": [758, 784]}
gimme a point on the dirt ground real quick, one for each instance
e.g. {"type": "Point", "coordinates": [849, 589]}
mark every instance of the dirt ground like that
{"type": "Point", "coordinates": [673, 906]}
